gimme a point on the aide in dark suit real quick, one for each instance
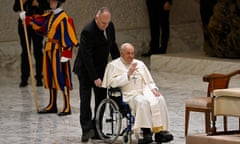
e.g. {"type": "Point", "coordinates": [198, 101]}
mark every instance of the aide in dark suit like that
{"type": "Point", "coordinates": [158, 11]}
{"type": "Point", "coordinates": [97, 41]}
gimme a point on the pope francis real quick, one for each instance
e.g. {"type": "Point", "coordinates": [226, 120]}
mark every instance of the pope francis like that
{"type": "Point", "coordinates": [141, 93]}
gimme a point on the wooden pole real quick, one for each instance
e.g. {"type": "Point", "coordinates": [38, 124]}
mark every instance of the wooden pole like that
{"type": "Point", "coordinates": [30, 60]}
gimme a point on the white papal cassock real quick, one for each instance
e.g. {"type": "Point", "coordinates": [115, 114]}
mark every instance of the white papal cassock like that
{"type": "Point", "coordinates": [149, 110]}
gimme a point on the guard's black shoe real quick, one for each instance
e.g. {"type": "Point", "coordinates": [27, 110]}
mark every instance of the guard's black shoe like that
{"type": "Point", "coordinates": [146, 139]}
{"type": "Point", "coordinates": [97, 137]}
{"type": "Point", "coordinates": [163, 136]}
{"type": "Point", "coordinates": [23, 84]}
{"type": "Point", "coordinates": [148, 54]}
{"type": "Point", "coordinates": [87, 135]}
{"type": "Point", "coordinates": [39, 83]}
{"type": "Point", "coordinates": [44, 111]}
{"type": "Point", "coordinates": [63, 113]}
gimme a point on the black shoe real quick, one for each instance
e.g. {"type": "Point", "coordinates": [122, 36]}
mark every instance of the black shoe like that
{"type": "Point", "coordinates": [163, 136]}
{"type": "Point", "coordinates": [39, 83]}
{"type": "Point", "coordinates": [23, 84]}
{"type": "Point", "coordinates": [63, 113]}
{"type": "Point", "coordinates": [146, 139]}
{"type": "Point", "coordinates": [148, 54]}
{"type": "Point", "coordinates": [44, 111]}
{"type": "Point", "coordinates": [97, 137]}
{"type": "Point", "coordinates": [147, 136]}
{"type": "Point", "coordinates": [87, 135]}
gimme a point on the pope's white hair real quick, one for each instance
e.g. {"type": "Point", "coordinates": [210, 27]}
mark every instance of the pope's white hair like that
{"type": "Point", "coordinates": [124, 45]}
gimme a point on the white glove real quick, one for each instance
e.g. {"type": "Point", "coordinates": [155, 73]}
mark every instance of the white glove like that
{"type": "Point", "coordinates": [22, 15]}
{"type": "Point", "coordinates": [64, 59]}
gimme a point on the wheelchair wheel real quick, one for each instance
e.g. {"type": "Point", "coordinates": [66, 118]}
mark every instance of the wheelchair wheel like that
{"type": "Point", "coordinates": [108, 120]}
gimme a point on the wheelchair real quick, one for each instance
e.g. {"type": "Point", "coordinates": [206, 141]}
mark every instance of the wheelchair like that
{"type": "Point", "coordinates": [114, 118]}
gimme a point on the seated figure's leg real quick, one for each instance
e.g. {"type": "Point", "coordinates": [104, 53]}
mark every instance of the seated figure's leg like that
{"type": "Point", "coordinates": [142, 112]}
{"type": "Point", "coordinates": [141, 109]}
{"type": "Point", "coordinates": [160, 120]}
{"type": "Point", "coordinates": [159, 114]}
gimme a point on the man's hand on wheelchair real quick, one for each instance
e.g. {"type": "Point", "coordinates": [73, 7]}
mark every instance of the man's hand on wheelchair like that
{"type": "Point", "coordinates": [156, 92]}
{"type": "Point", "coordinates": [98, 82]}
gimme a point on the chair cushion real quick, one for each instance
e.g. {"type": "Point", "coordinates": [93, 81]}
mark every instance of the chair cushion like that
{"type": "Point", "coordinates": [199, 102]}
{"type": "Point", "coordinates": [227, 105]}
{"type": "Point", "coordinates": [233, 92]}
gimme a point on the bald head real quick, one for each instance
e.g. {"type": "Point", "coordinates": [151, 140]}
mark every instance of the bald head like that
{"type": "Point", "coordinates": [127, 52]}
{"type": "Point", "coordinates": [103, 18]}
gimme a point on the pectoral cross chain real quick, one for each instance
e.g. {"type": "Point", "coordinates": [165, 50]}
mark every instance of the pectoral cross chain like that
{"type": "Point", "coordinates": [134, 79]}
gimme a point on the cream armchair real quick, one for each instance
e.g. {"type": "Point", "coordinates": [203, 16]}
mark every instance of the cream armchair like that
{"type": "Point", "coordinates": [205, 104]}
{"type": "Point", "coordinates": [226, 102]}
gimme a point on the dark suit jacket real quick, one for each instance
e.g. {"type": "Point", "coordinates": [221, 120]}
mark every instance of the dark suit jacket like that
{"type": "Point", "coordinates": [94, 50]}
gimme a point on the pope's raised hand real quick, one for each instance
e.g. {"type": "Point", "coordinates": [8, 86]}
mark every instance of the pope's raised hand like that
{"type": "Point", "coordinates": [132, 68]}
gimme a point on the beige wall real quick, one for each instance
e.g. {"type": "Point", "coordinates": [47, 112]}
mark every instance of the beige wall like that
{"type": "Point", "coordinates": [130, 18]}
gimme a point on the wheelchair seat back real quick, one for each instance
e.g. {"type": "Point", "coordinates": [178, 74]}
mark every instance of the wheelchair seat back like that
{"type": "Point", "coordinates": [116, 95]}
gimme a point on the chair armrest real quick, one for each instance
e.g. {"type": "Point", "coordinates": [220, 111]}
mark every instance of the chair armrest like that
{"type": "Point", "coordinates": [229, 92]}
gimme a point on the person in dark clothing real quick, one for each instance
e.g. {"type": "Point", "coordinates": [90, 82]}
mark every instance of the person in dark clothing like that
{"type": "Point", "coordinates": [158, 11]}
{"type": "Point", "coordinates": [32, 7]}
{"type": "Point", "coordinates": [97, 41]}
{"type": "Point", "coordinates": [206, 12]}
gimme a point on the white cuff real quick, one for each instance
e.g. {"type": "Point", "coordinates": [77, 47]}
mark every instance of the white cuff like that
{"type": "Point", "coordinates": [64, 59]}
{"type": "Point", "coordinates": [22, 15]}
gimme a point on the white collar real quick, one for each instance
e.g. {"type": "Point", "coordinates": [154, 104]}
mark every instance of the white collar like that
{"type": "Point", "coordinates": [58, 10]}
{"type": "Point", "coordinates": [124, 62]}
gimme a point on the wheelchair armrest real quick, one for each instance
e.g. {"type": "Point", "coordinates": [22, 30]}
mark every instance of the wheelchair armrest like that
{"type": "Point", "coordinates": [115, 92]}
{"type": "Point", "coordinates": [116, 89]}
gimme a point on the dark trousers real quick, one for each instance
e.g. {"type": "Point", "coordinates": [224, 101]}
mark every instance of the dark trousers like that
{"type": "Point", "coordinates": [206, 11]}
{"type": "Point", "coordinates": [86, 120]}
{"type": "Point", "coordinates": [37, 47]}
{"type": "Point", "coordinates": [159, 25]}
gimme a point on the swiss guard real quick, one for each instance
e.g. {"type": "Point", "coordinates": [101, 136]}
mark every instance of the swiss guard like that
{"type": "Point", "coordinates": [59, 30]}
